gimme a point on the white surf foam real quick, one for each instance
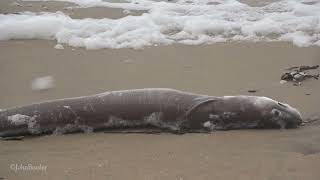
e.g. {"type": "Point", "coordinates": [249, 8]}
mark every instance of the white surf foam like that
{"type": "Point", "coordinates": [183, 21]}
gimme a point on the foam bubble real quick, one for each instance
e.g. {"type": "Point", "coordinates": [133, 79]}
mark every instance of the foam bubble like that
{"type": "Point", "coordinates": [182, 21]}
{"type": "Point", "coordinates": [70, 128]}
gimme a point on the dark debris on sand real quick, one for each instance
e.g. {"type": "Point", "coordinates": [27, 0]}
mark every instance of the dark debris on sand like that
{"type": "Point", "coordinates": [297, 74]}
{"type": "Point", "coordinates": [15, 138]}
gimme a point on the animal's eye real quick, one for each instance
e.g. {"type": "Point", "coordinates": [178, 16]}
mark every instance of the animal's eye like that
{"type": "Point", "coordinates": [276, 112]}
{"type": "Point", "coordinates": [282, 104]}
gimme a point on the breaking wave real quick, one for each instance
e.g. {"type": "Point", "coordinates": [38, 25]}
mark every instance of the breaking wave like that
{"type": "Point", "coordinates": [189, 22]}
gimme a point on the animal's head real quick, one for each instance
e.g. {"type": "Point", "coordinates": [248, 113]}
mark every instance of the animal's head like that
{"type": "Point", "coordinates": [240, 112]}
{"type": "Point", "coordinates": [276, 114]}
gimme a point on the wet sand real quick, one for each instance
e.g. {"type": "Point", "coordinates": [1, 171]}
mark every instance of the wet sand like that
{"type": "Point", "coordinates": [70, 9]}
{"type": "Point", "coordinates": [243, 155]}
{"type": "Point", "coordinates": [219, 69]}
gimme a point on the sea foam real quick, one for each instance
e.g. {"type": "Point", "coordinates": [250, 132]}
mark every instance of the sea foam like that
{"type": "Point", "coordinates": [184, 21]}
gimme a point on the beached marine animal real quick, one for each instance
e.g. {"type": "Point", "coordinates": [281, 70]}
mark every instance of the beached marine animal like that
{"type": "Point", "coordinates": [164, 109]}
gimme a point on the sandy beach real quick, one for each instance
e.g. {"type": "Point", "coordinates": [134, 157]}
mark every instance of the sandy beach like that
{"type": "Point", "coordinates": [230, 68]}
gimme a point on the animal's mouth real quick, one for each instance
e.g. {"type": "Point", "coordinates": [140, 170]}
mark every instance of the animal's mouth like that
{"type": "Point", "coordinates": [296, 122]}
{"type": "Point", "coordinates": [289, 124]}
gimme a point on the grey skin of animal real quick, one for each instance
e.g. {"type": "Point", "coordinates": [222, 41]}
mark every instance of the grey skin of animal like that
{"type": "Point", "coordinates": [164, 109]}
